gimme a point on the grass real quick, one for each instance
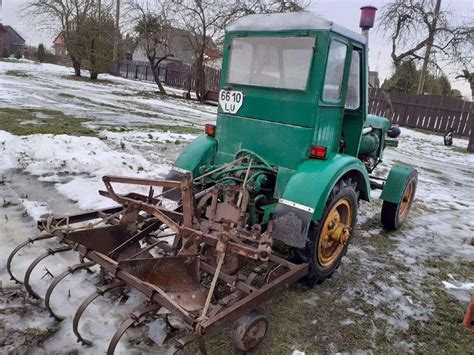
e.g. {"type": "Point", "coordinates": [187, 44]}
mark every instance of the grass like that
{"type": "Point", "coordinates": [35, 336]}
{"type": "Point", "coordinates": [320, 320]}
{"type": "Point", "coordinates": [18, 73]}
{"type": "Point", "coordinates": [460, 150]}
{"type": "Point", "coordinates": [159, 127]}
{"type": "Point", "coordinates": [88, 80]}
{"type": "Point", "coordinates": [27, 121]}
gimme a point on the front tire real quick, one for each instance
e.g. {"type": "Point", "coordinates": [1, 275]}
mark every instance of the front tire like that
{"type": "Point", "coordinates": [328, 239]}
{"type": "Point", "coordinates": [395, 214]}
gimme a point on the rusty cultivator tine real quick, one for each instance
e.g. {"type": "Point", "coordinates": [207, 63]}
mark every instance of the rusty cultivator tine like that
{"type": "Point", "coordinates": [100, 292]}
{"type": "Point", "coordinates": [133, 319]}
{"type": "Point", "coordinates": [71, 270]}
{"type": "Point", "coordinates": [50, 252]}
{"type": "Point", "coordinates": [18, 248]}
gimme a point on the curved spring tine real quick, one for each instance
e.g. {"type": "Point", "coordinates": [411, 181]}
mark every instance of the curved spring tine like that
{"type": "Point", "coordinates": [36, 262]}
{"type": "Point", "coordinates": [100, 291]}
{"type": "Point", "coordinates": [127, 323]}
{"type": "Point", "coordinates": [70, 270]}
{"type": "Point", "coordinates": [17, 249]}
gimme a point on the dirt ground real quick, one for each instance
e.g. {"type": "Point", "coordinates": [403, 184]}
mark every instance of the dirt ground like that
{"type": "Point", "coordinates": [395, 292]}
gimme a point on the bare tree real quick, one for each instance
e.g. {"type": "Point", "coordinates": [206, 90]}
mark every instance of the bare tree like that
{"type": "Point", "coordinates": [155, 33]}
{"type": "Point", "coordinates": [248, 7]}
{"type": "Point", "coordinates": [421, 30]}
{"type": "Point", "coordinates": [205, 20]}
{"type": "Point", "coordinates": [68, 14]}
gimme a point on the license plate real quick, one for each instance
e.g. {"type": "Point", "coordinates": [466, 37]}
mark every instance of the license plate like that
{"type": "Point", "coordinates": [230, 100]}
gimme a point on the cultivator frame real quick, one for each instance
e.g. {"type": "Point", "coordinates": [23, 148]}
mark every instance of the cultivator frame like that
{"type": "Point", "coordinates": [207, 290]}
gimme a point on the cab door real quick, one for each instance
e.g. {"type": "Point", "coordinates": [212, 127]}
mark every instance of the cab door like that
{"type": "Point", "coordinates": [331, 104]}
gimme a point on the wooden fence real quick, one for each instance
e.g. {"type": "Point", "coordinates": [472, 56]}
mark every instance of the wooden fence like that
{"type": "Point", "coordinates": [429, 112]}
{"type": "Point", "coordinates": [174, 74]}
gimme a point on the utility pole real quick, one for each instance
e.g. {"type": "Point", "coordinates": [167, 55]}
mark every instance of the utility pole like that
{"type": "Point", "coordinates": [117, 30]}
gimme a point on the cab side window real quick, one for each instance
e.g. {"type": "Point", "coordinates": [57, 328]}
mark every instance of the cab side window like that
{"type": "Point", "coordinates": [353, 90]}
{"type": "Point", "coordinates": [334, 72]}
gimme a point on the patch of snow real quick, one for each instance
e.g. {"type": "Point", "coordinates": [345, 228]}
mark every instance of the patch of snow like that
{"type": "Point", "coordinates": [459, 286]}
{"type": "Point", "coordinates": [36, 209]}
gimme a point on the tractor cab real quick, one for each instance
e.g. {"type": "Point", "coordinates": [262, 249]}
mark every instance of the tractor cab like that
{"type": "Point", "coordinates": [297, 81]}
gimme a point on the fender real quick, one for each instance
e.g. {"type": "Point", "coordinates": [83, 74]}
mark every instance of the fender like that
{"type": "Point", "coordinates": [305, 195]}
{"type": "Point", "coordinates": [199, 152]}
{"type": "Point", "coordinates": [396, 182]}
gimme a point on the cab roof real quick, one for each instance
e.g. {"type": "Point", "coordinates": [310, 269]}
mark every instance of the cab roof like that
{"type": "Point", "coordinates": [291, 21]}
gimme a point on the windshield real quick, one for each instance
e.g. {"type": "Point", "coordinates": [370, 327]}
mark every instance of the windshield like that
{"type": "Point", "coordinates": [277, 62]}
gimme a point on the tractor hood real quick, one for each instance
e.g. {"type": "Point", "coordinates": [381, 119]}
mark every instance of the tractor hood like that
{"type": "Point", "coordinates": [279, 144]}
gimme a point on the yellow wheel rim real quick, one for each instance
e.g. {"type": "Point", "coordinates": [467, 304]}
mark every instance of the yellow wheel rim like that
{"type": "Point", "coordinates": [335, 232]}
{"type": "Point", "coordinates": [406, 200]}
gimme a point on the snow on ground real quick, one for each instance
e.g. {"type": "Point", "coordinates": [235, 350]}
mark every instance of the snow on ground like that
{"type": "Point", "coordinates": [385, 296]}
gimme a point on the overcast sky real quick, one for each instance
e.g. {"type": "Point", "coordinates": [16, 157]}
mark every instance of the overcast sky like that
{"type": "Point", "coordinates": [343, 12]}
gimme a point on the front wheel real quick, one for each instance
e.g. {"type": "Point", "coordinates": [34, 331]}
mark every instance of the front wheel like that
{"type": "Point", "coordinates": [395, 214]}
{"type": "Point", "coordinates": [328, 239]}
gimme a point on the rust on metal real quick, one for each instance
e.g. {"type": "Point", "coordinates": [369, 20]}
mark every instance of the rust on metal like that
{"type": "Point", "coordinates": [212, 241]}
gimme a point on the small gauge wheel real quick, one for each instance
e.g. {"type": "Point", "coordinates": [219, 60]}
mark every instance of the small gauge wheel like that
{"type": "Point", "coordinates": [249, 331]}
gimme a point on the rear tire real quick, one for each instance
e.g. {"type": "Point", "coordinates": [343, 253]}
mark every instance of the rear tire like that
{"type": "Point", "coordinates": [327, 240]}
{"type": "Point", "coordinates": [395, 214]}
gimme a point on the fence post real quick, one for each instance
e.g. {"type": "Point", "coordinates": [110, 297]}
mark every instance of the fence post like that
{"type": "Point", "coordinates": [146, 73]}
{"type": "Point", "coordinates": [127, 71]}
{"type": "Point", "coordinates": [136, 71]}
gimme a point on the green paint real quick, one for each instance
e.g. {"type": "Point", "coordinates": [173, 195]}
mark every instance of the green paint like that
{"type": "Point", "coordinates": [280, 124]}
{"type": "Point", "coordinates": [311, 184]}
{"type": "Point", "coordinates": [395, 185]}
{"type": "Point", "coordinates": [199, 152]}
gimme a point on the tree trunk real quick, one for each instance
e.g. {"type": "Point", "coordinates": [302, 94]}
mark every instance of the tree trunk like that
{"type": "Point", "coordinates": [94, 75]}
{"type": "Point", "coordinates": [470, 145]}
{"type": "Point", "coordinates": [76, 64]}
{"type": "Point", "coordinates": [200, 77]}
{"type": "Point", "coordinates": [429, 46]}
{"type": "Point", "coordinates": [156, 78]}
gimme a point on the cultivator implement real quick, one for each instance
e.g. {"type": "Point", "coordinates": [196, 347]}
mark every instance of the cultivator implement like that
{"type": "Point", "coordinates": [203, 261]}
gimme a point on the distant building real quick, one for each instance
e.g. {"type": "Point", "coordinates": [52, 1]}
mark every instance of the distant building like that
{"type": "Point", "coordinates": [3, 31]}
{"type": "Point", "coordinates": [374, 81]}
{"type": "Point", "coordinates": [59, 45]}
{"type": "Point", "coordinates": [10, 41]}
{"type": "Point", "coordinates": [178, 44]}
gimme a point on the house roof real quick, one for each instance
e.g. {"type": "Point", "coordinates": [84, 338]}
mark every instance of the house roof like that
{"type": "Point", "coordinates": [213, 53]}
{"type": "Point", "coordinates": [3, 29]}
{"type": "Point", "coordinates": [291, 21]}
{"type": "Point", "coordinates": [12, 30]}
{"type": "Point", "coordinates": [59, 39]}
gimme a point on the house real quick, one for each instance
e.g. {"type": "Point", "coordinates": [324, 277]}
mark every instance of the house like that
{"type": "Point", "coordinates": [10, 41]}
{"type": "Point", "coordinates": [176, 42]}
{"type": "Point", "coordinates": [374, 81]}
{"type": "Point", "coordinates": [3, 31]}
{"type": "Point", "coordinates": [59, 45]}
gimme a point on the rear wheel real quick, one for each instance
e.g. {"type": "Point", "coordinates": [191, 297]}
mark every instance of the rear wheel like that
{"type": "Point", "coordinates": [395, 214]}
{"type": "Point", "coordinates": [328, 239]}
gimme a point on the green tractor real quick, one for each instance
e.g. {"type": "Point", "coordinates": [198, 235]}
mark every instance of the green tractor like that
{"type": "Point", "coordinates": [293, 104]}
{"type": "Point", "coordinates": [266, 197]}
